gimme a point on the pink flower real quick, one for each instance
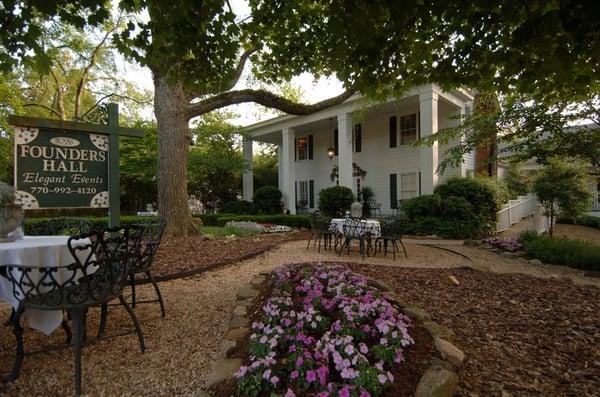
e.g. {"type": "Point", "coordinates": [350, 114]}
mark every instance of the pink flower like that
{"type": "Point", "coordinates": [290, 393]}
{"type": "Point", "coordinates": [322, 373]}
{"type": "Point", "coordinates": [267, 374]}
{"type": "Point", "coordinates": [294, 375]}
{"type": "Point", "coordinates": [299, 361]}
{"type": "Point", "coordinates": [345, 392]}
{"type": "Point", "coordinates": [382, 378]}
{"type": "Point", "coordinates": [364, 393]}
{"type": "Point", "coordinates": [274, 380]}
{"type": "Point", "coordinates": [311, 376]}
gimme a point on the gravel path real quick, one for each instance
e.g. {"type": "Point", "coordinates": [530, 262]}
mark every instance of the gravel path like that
{"type": "Point", "coordinates": [182, 347]}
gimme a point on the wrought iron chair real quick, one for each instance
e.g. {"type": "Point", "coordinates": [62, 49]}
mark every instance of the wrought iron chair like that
{"type": "Point", "coordinates": [392, 230]}
{"type": "Point", "coordinates": [356, 229]}
{"type": "Point", "coordinates": [320, 225]}
{"type": "Point", "coordinates": [97, 275]}
{"type": "Point", "coordinates": [375, 209]}
{"type": "Point", "coordinates": [145, 240]}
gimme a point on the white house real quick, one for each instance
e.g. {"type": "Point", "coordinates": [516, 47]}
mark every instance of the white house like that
{"type": "Point", "coordinates": [378, 139]}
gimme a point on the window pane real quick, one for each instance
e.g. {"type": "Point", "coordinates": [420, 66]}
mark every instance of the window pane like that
{"type": "Point", "coordinates": [302, 148]}
{"type": "Point", "coordinates": [303, 192]}
{"type": "Point", "coordinates": [408, 185]}
{"type": "Point", "coordinates": [408, 129]}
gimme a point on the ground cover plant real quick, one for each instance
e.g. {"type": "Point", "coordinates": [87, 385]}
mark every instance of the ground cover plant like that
{"type": "Point", "coordinates": [512, 243]}
{"type": "Point", "coordinates": [324, 331]}
{"type": "Point", "coordinates": [562, 251]}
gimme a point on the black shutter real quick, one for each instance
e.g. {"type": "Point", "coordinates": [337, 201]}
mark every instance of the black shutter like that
{"type": "Point", "coordinates": [393, 131]}
{"type": "Point", "coordinates": [295, 149]}
{"type": "Point", "coordinates": [357, 138]}
{"type": "Point", "coordinates": [419, 124]}
{"type": "Point", "coordinates": [310, 147]}
{"type": "Point", "coordinates": [311, 194]}
{"type": "Point", "coordinates": [336, 141]}
{"type": "Point", "coordinates": [295, 193]}
{"type": "Point", "coordinates": [419, 183]}
{"type": "Point", "coordinates": [393, 191]}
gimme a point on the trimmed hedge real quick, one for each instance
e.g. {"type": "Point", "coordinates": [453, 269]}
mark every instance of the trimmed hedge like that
{"type": "Point", "coordinates": [285, 220]}
{"type": "Point", "coordinates": [239, 207]}
{"type": "Point", "coordinates": [267, 200]}
{"type": "Point", "coordinates": [586, 220]}
{"type": "Point", "coordinates": [561, 251]}
{"type": "Point", "coordinates": [460, 208]}
{"type": "Point", "coordinates": [65, 225]}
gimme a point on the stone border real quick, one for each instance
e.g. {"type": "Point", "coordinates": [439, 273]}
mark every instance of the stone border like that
{"type": "Point", "coordinates": [439, 380]}
{"type": "Point", "coordinates": [239, 327]}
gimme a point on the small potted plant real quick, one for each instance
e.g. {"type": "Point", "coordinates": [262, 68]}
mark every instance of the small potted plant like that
{"type": "Point", "coordinates": [11, 214]}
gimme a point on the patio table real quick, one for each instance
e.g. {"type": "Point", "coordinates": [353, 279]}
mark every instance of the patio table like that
{"type": "Point", "coordinates": [372, 225]}
{"type": "Point", "coordinates": [37, 251]}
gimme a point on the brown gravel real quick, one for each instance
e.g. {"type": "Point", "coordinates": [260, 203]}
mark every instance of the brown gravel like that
{"type": "Point", "coordinates": [522, 335]}
{"type": "Point", "coordinates": [578, 232]}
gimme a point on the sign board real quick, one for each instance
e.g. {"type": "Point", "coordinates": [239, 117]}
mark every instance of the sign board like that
{"type": "Point", "coordinates": [61, 169]}
{"type": "Point", "coordinates": [69, 164]}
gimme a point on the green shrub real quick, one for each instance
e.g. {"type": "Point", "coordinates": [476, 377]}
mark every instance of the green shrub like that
{"type": "Point", "coordinates": [217, 231]}
{"type": "Point", "coordinates": [267, 200]}
{"type": "Point", "coordinates": [285, 220]}
{"type": "Point", "coordinates": [460, 208]}
{"type": "Point", "coordinates": [66, 226]}
{"type": "Point", "coordinates": [585, 220]}
{"type": "Point", "coordinates": [561, 251]}
{"type": "Point", "coordinates": [239, 207]}
{"type": "Point", "coordinates": [335, 200]}
{"type": "Point", "coordinates": [528, 235]}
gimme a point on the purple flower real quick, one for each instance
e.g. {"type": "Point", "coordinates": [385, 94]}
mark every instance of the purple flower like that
{"type": "Point", "coordinates": [311, 376]}
{"type": "Point", "coordinates": [299, 361]}
{"type": "Point", "coordinates": [382, 378]}
{"type": "Point", "coordinates": [345, 392]}
{"type": "Point", "coordinates": [363, 393]}
{"type": "Point", "coordinates": [290, 393]}
{"type": "Point", "coordinates": [322, 372]}
{"type": "Point", "coordinates": [274, 380]}
{"type": "Point", "coordinates": [267, 374]}
{"type": "Point", "coordinates": [294, 375]}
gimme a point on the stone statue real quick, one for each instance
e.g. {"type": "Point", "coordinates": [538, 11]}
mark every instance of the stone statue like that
{"type": "Point", "coordinates": [11, 214]}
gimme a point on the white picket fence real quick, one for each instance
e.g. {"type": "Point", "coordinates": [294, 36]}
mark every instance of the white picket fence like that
{"type": "Point", "coordinates": [521, 208]}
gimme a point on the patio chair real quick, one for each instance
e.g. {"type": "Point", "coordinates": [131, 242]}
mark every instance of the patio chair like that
{"type": "Point", "coordinates": [356, 229]}
{"type": "Point", "coordinates": [97, 276]}
{"type": "Point", "coordinates": [145, 240]}
{"type": "Point", "coordinates": [375, 209]}
{"type": "Point", "coordinates": [320, 225]}
{"type": "Point", "coordinates": [392, 230]}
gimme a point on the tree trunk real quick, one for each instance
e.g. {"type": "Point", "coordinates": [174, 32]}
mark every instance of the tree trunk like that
{"type": "Point", "coordinates": [170, 103]}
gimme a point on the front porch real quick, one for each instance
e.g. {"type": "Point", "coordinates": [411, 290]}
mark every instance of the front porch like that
{"type": "Point", "coordinates": [378, 138]}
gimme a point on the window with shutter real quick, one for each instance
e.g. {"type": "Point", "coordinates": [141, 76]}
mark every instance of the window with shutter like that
{"type": "Point", "coordinates": [357, 141]}
{"type": "Point", "coordinates": [408, 185]}
{"type": "Point", "coordinates": [408, 129]}
{"type": "Point", "coordinates": [393, 192]}
{"type": "Point", "coordinates": [393, 131]}
{"type": "Point", "coordinates": [302, 148]}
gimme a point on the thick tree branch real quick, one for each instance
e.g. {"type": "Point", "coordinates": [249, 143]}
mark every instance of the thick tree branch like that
{"type": "Point", "coordinates": [239, 70]}
{"type": "Point", "coordinates": [48, 108]}
{"type": "Point", "coordinates": [60, 101]}
{"type": "Point", "coordinates": [110, 96]}
{"type": "Point", "coordinates": [265, 98]}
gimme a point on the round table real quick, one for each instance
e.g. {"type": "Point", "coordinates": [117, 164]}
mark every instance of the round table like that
{"type": "Point", "coordinates": [37, 251]}
{"type": "Point", "coordinates": [372, 225]}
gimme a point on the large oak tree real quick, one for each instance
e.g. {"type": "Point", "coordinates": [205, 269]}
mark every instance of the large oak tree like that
{"type": "Point", "coordinates": [197, 52]}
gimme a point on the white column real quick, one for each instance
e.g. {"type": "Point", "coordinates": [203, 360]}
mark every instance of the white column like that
{"type": "Point", "coordinates": [428, 105]}
{"type": "Point", "coordinates": [248, 177]}
{"type": "Point", "coordinates": [345, 150]}
{"type": "Point", "coordinates": [289, 170]}
{"type": "Point", "coordinates": [280, 167]}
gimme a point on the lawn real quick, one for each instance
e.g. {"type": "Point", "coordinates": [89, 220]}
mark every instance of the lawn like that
{"type": "Point", "coordinates": [224, 231]}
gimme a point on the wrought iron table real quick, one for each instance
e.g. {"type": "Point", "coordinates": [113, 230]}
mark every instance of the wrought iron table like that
{"type": "Point", "coordinates": [34, 251]}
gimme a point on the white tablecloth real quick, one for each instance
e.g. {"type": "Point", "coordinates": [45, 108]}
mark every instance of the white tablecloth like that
{"type": "Point", "coordinates": [36, 251]}
{"type": "Point", "coordinates": [372, 225]}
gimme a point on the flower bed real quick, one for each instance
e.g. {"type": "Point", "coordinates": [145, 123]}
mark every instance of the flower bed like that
{"type": "Point", "coordinates": [324, 331]}
{"type": "Point", "coordinates": [511, 244]}
{"type": "Point", "coordinates": [259, 227]}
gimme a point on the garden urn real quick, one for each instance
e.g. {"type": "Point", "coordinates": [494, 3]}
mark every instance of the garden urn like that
{"type": "Point", "coordinates": [356, 210]}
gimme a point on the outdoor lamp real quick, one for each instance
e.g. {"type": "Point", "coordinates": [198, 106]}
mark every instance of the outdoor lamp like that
{"type": "Point", "coordinates": [330, 151]}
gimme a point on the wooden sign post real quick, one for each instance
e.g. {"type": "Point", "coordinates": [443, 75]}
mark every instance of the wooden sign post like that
{"type": "Point", "coordinates": [66, 164]}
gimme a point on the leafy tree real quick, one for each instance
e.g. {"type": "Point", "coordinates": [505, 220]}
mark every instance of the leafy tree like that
{"type": "Point", "coordinates": [265, 169]}
{"type": "Point", "coordinates": [517, 181]}
{"type": "Point", "coordinates": [561, 186]}
{"type": "Point", "coordinates": [215, 163]}
{"type": "Point", "coordinates": [197, 52]}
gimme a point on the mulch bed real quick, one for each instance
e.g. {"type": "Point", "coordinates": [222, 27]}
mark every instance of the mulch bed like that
{"type": "Point", "coordinates": [183, 256]}
{"type": "Point", "coordinates": [522, 335]}
{"type": "Point", "coordinates": [407, 374]}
